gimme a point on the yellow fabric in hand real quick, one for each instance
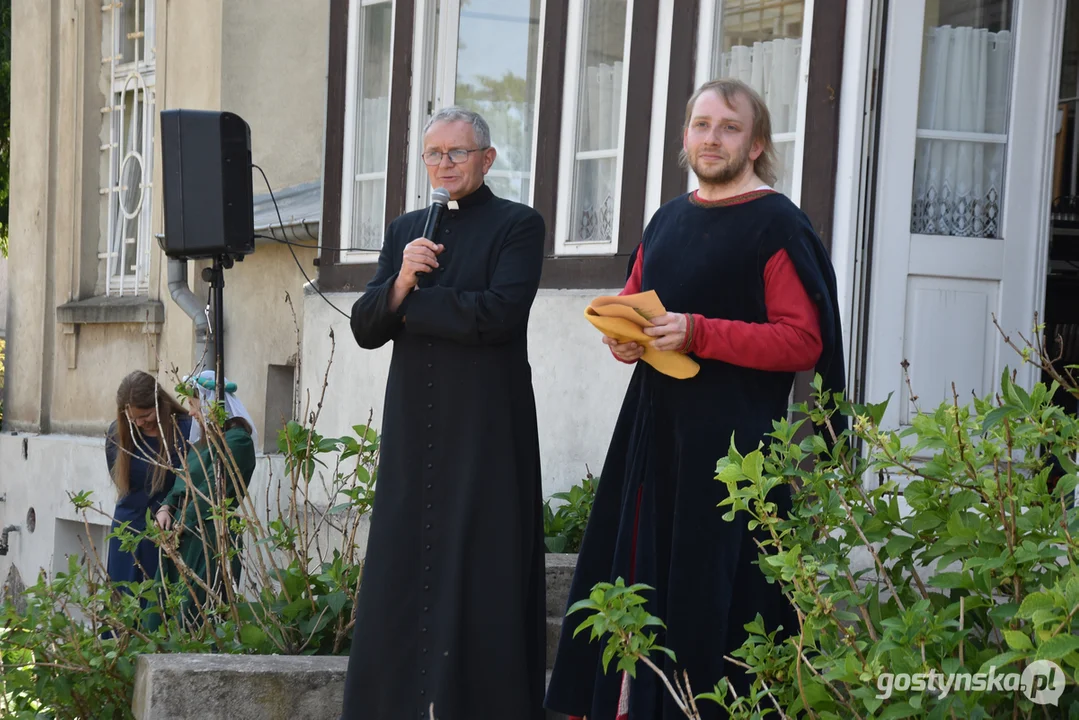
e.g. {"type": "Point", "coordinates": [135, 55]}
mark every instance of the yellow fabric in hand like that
{"type": "Point", "coordinates": [624, 317]}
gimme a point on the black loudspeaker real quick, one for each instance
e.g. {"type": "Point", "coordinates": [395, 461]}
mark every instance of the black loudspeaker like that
{"type": "Point", "coordinates": [206, 177]}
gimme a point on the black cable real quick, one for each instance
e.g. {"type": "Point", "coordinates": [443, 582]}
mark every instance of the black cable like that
{"type": "Point", "coordinates": [298, 264]}
{"type": "Point", "coordinates": [309, 246]}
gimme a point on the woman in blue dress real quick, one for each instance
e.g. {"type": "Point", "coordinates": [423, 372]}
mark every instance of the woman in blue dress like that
{"type": "Point", "coordinates": [148, 439]}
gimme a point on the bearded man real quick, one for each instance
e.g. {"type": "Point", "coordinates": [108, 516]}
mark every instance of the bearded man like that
{"type": "Point", "coordinates": [752, 296]}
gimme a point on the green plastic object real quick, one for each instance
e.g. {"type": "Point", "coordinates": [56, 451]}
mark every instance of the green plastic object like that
{"type": "Point", "coordinates": [230, 387]}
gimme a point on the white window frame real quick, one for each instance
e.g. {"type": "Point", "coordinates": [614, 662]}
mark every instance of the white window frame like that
{"type": "Point", "coordinates": [705, 53]}
{"type": "Point", "coordinates": [136, 77]}
{"type": "Point", "coordinates": [536, 114]}
{"type": "Point", "coordinates": [434, 86]}
{"type": "Point", "coordinates": [569, 155]}
{"type": "Point", "coordinates": [426, 96]}
{"type": "Point", "coordinates": [349, 178]}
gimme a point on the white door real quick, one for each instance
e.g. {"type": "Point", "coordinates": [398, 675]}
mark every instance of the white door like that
{"type": "Point", "coordinates": [482, 55]}
{"type": "Point", "coordinates": [962, 201]}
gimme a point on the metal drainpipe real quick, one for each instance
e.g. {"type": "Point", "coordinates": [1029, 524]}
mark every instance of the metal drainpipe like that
{"type": "Point", "coordinates": [3, 538]}
{"type": "Point", "coordinates": [192, 306]}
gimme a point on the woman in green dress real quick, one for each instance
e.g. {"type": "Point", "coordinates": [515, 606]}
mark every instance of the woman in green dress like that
{"type": "Point", "coordinates": [189, 505]}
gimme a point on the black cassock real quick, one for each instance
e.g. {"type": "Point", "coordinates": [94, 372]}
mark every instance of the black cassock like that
{"type": "Point", "coordinates": [655, 517]}
{"type": "Point", "coordinates": [451, 606]}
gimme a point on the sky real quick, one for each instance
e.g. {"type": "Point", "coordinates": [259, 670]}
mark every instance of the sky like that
{"type": "Point", "coordinates": [494, 34]}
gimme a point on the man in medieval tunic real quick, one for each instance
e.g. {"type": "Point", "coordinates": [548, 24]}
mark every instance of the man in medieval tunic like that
{"type": "Point", "coordinates": [752, 298]}
{"type": "Point", "coordinates": [450, 611]}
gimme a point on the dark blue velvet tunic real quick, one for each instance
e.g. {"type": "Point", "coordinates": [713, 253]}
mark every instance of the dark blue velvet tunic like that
{"type": "Point", "coordinates": [655, 518]}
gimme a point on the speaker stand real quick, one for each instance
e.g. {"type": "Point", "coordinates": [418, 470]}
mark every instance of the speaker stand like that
{"type": "Point", "coordinates": [215, 275]}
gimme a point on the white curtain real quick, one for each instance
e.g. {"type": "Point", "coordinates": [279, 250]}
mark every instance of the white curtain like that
{"type": "Point", "coordinates": [600, 117]}
{"type": "Point", "coordinates": [964, 89]}
{"type": "Point", "coordinates": [771, 68]}
{"type": "Point", "coordinates": [369, 194]}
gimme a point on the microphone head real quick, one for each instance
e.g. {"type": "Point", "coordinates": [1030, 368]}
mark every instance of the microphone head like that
{"type": "Point", "coordinates": [440, 196]}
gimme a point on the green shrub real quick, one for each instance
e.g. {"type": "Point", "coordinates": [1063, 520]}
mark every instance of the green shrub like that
{"type": "Point", "coordinates": [969, 536]}
{"type": "Point", "coordinates": [71, 651]}
{"type": "Point", "coordinates": [563, 526]}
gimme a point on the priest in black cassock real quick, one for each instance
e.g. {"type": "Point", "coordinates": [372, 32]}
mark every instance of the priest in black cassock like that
{"type": "Point", "coordinates": [752, 298]}
{"type": "Point", "coordinates": [451, 607]}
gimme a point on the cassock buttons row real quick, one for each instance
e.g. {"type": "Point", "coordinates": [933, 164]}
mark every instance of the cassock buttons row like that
{"type": "Point", "coordinates": [427, 568]}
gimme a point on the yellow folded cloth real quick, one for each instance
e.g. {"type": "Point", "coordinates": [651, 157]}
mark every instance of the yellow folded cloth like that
{"type": "Point", "coordinates": [623, 318]}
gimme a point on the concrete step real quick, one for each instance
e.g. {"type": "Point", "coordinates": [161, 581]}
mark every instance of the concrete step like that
{"type": "Point", "coordinates": [560, 568]}
{"type": "Point", "coordinates": [554, 629]}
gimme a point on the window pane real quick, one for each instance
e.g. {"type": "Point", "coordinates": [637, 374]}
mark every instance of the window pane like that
{"type": "Point", "coordinates": [368, 210]}
{"type": "Point", "coordinates": [372, 126]}
{"type": "Point", "coordinates": [760, 43]}
{"type": "Point", "coordinates": [127, 197]}
{"type": "Point", "coordinates": [130, 22]}
{"type": "Point", "coordinates": [497, 71]}
{"type": "Point", "coordinates": [599, 101]}
{"type": "Point", "coordinates": [965, 81]}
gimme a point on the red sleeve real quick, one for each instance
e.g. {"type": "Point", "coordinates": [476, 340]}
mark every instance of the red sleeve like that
{"type": "Point", "coordinates": [633, 286]}
{"type": "Point", "coordinates": [789, 342]}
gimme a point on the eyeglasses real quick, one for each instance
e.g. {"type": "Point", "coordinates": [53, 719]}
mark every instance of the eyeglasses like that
{"type": "Point", "coordinates": [434, 157]}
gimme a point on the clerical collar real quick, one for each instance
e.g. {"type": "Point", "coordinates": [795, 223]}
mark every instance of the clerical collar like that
{"type": "Point", "coordinates": [477, 197]}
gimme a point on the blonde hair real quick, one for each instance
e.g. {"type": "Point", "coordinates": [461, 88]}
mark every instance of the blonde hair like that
{"type": "Point", "coordinates": [140, 390]}
{"type": "Point", "coordinates": [729, 88]}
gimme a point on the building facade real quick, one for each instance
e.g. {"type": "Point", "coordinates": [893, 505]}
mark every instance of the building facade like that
{"type": "Point", "coordinates": [931, 143]}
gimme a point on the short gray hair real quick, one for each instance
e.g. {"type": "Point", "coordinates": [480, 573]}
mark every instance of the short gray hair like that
{"type": "Point", "coordinates": [455, 114]}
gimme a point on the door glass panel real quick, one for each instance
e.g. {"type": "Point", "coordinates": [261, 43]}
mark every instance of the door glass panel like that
{"type": "Point", "coordinates": [599, 122]}
{"type": "Point", "coordinates": [497, 72]}
{"type": "Point", "coordinates": [760, 43]}
{"type": "Point", "coordinates": [372, 125]}
{"type": "Point", "coordinates": [962, 118]}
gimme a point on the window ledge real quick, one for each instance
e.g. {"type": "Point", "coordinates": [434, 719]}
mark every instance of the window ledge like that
{"type": "Point", "coordinates": [111, 310]}
{"type": "Point", "coordinates": [134, 310]}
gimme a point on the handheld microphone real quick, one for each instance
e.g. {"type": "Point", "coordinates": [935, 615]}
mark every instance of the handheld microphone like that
{"type": "Point", "coordinates": [439, 198]}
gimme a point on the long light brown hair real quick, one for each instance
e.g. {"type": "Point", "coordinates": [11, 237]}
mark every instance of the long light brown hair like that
{"type": "Point", "coordinates": [729, 88]}
{"type": "Point", "coordinates": [140, 390]}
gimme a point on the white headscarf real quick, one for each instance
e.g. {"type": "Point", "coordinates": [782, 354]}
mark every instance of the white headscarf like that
{"type": "Point", "coordinates": [206, 392]}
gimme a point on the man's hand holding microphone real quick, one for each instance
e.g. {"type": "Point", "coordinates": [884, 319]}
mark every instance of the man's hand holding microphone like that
{"type": "Point", "coordinates": [420, 256]}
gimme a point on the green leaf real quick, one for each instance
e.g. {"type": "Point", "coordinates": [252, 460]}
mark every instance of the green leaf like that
{"type": "Point", "coordinates": [753, 465]}
{"type": "Point", "coordinates": [1001, 661]}
{"type": "Point", "coordinates": [294, 608]}
{"type": "Point", "coordinates": [556, 544]}
{"type": "Point", "coordinates": [1034, 602]}
{"type": "Point", "coordinates": [729, 472]}
{"type": "Point", "coordinates": [902, 709]}
{"type": "Point", "coordinates": [1018, 640]}
{"type": "Point", "coordinates": [950, 580]}
{"type": "Point", "coordinates": [995, 416]}
{"type": "Point", "coordinates": [608, 655]}
{"type": "Point", "coordinates": [899, 544]}
{"type": "Point", "coordinates": [336, 601]}
{"type": "Point", "coordinates": [252, 636]}
{"type": "Point", "coordinates": [1057, 647]}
